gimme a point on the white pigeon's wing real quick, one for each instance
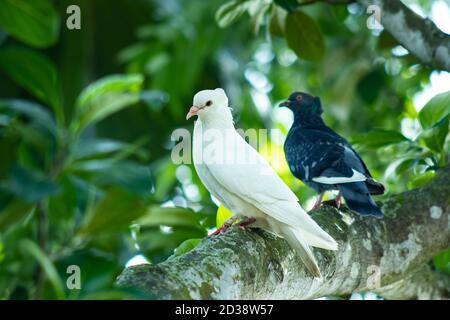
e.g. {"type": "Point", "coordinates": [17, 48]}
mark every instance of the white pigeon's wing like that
{"type": "Point", "coordinates": [248, 175]}
{"type": "Point", "coordinates": [252, 179]}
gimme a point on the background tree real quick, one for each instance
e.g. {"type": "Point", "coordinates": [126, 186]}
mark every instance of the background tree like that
{"type": "Point", "coordinates": [86, 117]}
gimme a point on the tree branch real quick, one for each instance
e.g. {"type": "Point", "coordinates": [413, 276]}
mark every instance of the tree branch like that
{"type": "Point", "coordinates": [424, 284]}
{"type": "Point", "coordinates": [387, 256]}
{"type": "Point", "coordinates": [419, 35]}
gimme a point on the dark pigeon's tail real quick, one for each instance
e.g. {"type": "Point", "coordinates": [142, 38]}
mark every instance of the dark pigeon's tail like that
{"type": "Point", "coordinates": [374, 187]}
{"type": "Point", "coordinates": [357, 197]}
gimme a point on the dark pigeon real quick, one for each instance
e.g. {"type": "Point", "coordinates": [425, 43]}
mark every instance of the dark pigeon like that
{"type": "Point", "coordinates": [323, 160]}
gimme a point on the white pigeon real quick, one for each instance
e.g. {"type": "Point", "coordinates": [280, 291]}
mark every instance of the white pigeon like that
{"type": "Point", "coordinates": [244, 182]}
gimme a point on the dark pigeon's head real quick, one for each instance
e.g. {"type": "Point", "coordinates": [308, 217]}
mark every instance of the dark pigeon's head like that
{"type": "Point", "coordinates": [303, 102]}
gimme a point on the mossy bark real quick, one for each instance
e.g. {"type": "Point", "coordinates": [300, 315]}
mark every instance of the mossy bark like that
{"type": "Point", "coordinates": [388, 256]}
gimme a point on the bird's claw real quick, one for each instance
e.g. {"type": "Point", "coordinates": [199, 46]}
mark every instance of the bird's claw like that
{"type": "Point", "coordinates": [318, 202]}
{"type": "Point", "coordinates": [220, 230]}
{"type": "Point", "coordinates": [336, 202]}
{"type": "Point", "coordinates": [241, 226]}
{"type": "Point", "coordinates": [332, 203]}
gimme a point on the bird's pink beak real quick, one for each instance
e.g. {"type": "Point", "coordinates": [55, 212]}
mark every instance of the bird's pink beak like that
{"type": "Point", "coordinates": [192, 112]}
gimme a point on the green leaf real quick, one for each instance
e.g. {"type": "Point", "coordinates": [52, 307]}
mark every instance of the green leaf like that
{"type": "Point", "coordinates": [405, 165]}
{"type": "Point", "coordinates": [230, 12]}
{"type": "Point", "coordinates": [62, 207]}
{"type": "Point", "coordinates": [108, 84]}
{"type": "Point", "coordinates": [442, 261]}
{"type": "Point", "coordinates": [129, 175]}
{"type": "Point", "coordinates": [34, 251]}
{"type": "Point", "coordinates": [165, 178]}
{"type": "Point", "coordinates": [9, 144]}
{"type": "Point", "coordinates": [105, 97]}
{"type": "Point", "coordinates": [289, 5]}
{"type": "Point", "coordinates": [186, 246]}
{"type": "Point", "coordinates": [2, 252]}
{"type": "Point", "coordinates": [370, 85]}
{"type": "Point", "coordinates": [303, 35]}
{"type": "Point", "coordinates": [37, 146]}
{"type": "Point", "coordinates": [379, 138]}
{"type": "Point", "coordinates": [98, 269]}
{"type": "Point", "coordinates": [435, 110]}
{"type": "Point", "coordinates": [94, 148]}
{"type": "Point", "coordinates": [340, 13]}
{"type": "Point", "coordinates": [401, 165]}
{"type": "Point", "coordinates": [34, 111]}
{"type": "Point", "coordinates": [13, 213]}
{"type": "Point", "coordinates": [222, 215]}
{"type": "Point", "coordinates": [173, 217]}
{"type": "Point", "coordinates": [34, 22]}
{"type": "Point", "coordinates": [421, 179]}
{"type": "Point", "coordinates": [434, 137]}
{"type": "Point", "coordinates": [112, 214]}
{"type": "Point", "coordinates": [28, 185]}
{"type": "Point", "coordinates": [106, 105]}
{"type": "Point", "coordinates": [35, 73]}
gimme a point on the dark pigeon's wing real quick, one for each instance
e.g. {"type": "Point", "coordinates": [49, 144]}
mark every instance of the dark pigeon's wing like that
{"type": "Point", "coordinates": [373, 186]}
{"type": "Point", "coordinates": [341, 165]}
{"type": "Point", "coordinates": [342, 141]}
{"type": "Point", "coordinates": [324, 158]}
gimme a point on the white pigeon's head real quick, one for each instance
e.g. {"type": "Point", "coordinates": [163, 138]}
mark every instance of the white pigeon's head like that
{"type": "Point", "coordinates": [209, 104]}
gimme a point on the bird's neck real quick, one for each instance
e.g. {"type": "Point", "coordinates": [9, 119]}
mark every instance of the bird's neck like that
{"type": "Point", "coordinates": [217, 125]}
{"type": "Point", "coordinates": [222, 121]}
{"type": "Point", "coordinates": [308, 119]}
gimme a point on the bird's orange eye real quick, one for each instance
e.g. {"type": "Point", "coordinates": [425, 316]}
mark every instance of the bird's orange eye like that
{"type": "Point", "coordinates": [299, 97]}
{"type": "Point", "coordinates": [208, 103]}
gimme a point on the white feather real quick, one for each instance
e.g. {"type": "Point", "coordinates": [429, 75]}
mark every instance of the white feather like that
{"type": "Point", "coordinates": [298, 242]}
{"type": "Point", "coordinates": [356, 177]}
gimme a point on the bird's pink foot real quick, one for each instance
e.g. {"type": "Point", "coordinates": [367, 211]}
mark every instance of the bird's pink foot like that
{"type": "Point", "coordinates": [225, 226]}
{"type": "Point", "coordinates": [318, 202]}
{"type": "Point", "coordinates": [221, 230]}
{"type": "Point", "coordinates": [336, 202]}
{"type": "Point", "coordinates": [245, 223]}
{"type": "Point", "coordinates": [316, 206]}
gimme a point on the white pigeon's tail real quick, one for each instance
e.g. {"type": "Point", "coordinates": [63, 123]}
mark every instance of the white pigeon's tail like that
{"type": "Point", "coordinates": [298, 242]}
{"type": "Point", "coordinates": [300, 231]}
{"type": "Point", "coordinates": [292, 214]}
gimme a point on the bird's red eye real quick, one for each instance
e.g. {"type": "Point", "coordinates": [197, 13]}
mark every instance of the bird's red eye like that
{"type": "Point", "coordinates": [299, 97]}
{"type": "Point", "coordinates": [208, 103]}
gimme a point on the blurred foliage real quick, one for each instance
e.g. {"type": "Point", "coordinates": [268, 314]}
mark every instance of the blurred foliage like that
{"type": "Point", "coordinates": [86, 117]}
{"type": "Point", "coordinates": [223, 214]}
